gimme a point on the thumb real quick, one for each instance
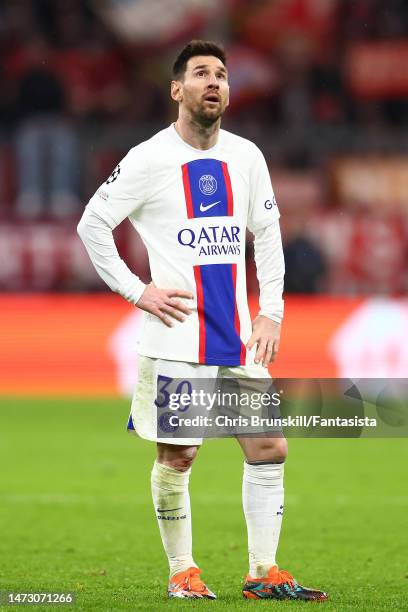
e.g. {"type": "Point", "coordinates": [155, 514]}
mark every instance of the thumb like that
{"type": "Point", "coordinates": [251, 341]}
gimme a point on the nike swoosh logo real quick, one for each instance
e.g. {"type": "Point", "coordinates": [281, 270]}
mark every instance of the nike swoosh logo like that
{"type": "Point", "coordinates": [169, 509]}
{"type": "Point", "coordinates": [203, 207]}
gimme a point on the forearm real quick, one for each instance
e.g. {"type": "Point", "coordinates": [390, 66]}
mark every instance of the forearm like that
{"type": "Point", "coordinates": [270, 266]}
{"type": "Point", "coordinates": [96, 234]}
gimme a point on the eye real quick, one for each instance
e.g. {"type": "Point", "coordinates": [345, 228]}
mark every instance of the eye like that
{"type": "Point", "coordinates": [200, 73]}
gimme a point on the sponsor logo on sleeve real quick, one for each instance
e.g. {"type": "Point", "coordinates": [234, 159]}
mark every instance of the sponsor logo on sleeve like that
{"type": "Point", "coordinates": [270, 203]}
{"type": "Point", "coordinates": [102, 194]}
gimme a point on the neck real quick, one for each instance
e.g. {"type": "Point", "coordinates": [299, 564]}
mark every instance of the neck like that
{"type": "Point", "coordinates": [196, 134]}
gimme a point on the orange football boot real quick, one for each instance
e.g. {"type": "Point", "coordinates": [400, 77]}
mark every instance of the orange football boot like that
{"type": "Point", "coordinates": [188, 585]}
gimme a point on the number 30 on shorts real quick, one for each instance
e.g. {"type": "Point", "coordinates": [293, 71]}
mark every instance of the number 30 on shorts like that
{"type": "Point", "coordinates": [167, 386]}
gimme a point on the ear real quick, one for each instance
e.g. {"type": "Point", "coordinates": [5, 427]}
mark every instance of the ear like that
{"type": "Point", "coordinates": [176, 91]}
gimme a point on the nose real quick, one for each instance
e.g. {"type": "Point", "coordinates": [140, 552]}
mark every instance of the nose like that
{"type": "Point", "coordinates": [213, 82]}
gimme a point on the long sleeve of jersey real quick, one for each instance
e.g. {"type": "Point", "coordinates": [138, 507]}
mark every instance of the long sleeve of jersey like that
{"type": "Point", "coordinates": [270, 268]}
{"type": "Point", "coordinates": [121, 195]}
{"type": "Point", "coordinates": [96, 234]}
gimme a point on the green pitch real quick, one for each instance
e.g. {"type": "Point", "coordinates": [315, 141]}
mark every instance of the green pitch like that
{"type": "Point", "coordinates": [76, 514]}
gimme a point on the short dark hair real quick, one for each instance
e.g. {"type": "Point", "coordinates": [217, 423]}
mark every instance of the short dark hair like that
{"type": "Point", "coordinates": [197, 47]}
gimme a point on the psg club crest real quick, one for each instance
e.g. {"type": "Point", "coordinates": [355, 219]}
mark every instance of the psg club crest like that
{"type": "Point", "coordinates": [207, 184]}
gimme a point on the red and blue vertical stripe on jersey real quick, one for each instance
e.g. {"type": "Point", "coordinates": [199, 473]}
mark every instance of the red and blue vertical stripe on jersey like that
{"type": "Point", "coordinates": [219, 336]}
{"type": "Point", "coordinates": [208, 193]}
{"type": "Point", "coordinates": [207, 189]}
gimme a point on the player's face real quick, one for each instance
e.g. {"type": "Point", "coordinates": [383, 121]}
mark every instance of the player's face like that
{"type": "Point", "coordinates": [204, 91]}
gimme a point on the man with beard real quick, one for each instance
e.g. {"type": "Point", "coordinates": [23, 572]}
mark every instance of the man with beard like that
{"type": "Point", "coordinates": [191, 191]}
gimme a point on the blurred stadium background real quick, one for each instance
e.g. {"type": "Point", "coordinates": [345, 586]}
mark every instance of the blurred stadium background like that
{"type": "Point", "coordinates": [320, 85]}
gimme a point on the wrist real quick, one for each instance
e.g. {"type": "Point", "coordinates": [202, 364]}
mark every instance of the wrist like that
{"type": "Point", "coordinates": [138, 291]}
{"type": "Point", "coordinates": [270, 315]}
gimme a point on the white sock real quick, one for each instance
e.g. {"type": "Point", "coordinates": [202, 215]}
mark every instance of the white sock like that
{"type": "Point", "coordinates": [171, 501]}
{"type": "Point", "coordinates": [262, 499]}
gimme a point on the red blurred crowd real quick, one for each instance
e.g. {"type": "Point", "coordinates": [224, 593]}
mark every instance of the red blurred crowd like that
{"type": "Point", "coordinates": [313, 82]}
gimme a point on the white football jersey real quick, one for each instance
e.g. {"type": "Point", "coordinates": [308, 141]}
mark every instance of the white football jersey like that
{"type": "Point", "coordinates": [192, 208]}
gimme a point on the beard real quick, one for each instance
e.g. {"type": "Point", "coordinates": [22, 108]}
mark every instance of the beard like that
{"type": "Point", "coordinates": [206, 117]}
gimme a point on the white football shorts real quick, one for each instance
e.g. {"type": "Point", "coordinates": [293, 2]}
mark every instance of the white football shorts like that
{"type": "Point", "coordinates": [145, 412]}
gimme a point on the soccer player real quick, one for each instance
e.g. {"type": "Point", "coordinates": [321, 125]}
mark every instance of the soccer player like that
{"type": "Point", "coordinates": [191, 191]}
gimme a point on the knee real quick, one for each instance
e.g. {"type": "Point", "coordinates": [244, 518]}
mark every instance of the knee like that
{"type": "Point", "coordinates": [183, 460]}
{"type": "Point", "coordinates": [177, 457]}
{"type": "Point", "coordinates": [274, 450]}
{"type": "Point", "coordinates": [280, 451]}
